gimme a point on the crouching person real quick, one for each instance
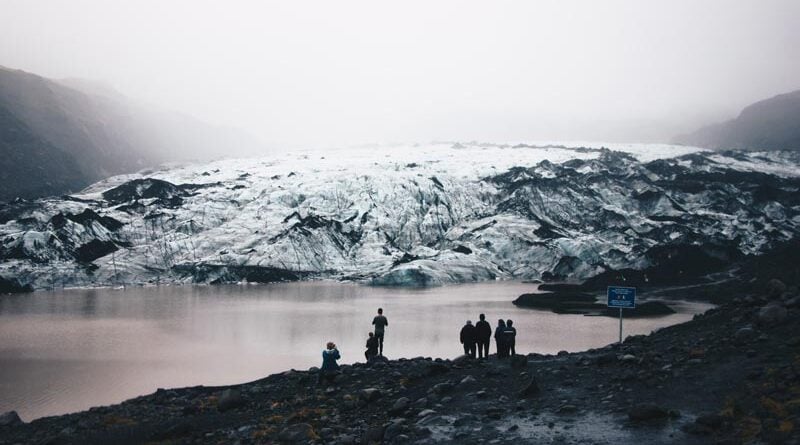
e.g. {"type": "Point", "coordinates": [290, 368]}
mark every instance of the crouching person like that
{"type": "Point", "coordinates": [329, 368]}
{"type": "Point", "coordinates": [372, 347]}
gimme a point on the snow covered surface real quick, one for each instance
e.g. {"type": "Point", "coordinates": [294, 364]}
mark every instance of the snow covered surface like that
{"type": "Point", "coordinates": [400, 215]}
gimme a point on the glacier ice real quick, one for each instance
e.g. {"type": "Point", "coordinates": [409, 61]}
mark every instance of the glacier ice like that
{"type": "Point", "coordinates": [423, 215]}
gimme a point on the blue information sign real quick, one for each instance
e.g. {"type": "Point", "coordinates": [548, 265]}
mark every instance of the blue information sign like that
{"type": "Point", "coordinates": [622, 297]}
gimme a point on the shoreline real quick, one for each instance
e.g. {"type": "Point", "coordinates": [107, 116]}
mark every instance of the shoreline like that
{"type": "Point", "coordinates": [695, 382]}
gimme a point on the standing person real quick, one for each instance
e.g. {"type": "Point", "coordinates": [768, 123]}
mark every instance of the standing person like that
{"type": "Point", "coordinates": [329, 367]}
{"type": "Point", "coordinates": [380, 323]}
{"type": "Point", "coordinates": [372, 347]}
{"type": "Point", "coordinates": [510, 335]}
{"type": "Point", "coordinates": [499, 338]}
{"type": "Point", "coordinates": [483, 335]}
{"type": "Point", "coordinates": [468, 339]}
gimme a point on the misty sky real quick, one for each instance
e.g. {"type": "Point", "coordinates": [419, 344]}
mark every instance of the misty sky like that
{"type": "Point", "coordinates": [298, 73]}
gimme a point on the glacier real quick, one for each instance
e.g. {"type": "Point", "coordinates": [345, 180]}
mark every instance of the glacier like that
{"type": "Point", "coordinates": [426, 214]}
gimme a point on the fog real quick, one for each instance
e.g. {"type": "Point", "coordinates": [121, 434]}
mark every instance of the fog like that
{"type": "Point", "coordinates": [299, 74]}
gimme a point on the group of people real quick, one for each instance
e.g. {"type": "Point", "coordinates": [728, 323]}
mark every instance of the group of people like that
{"type": "Point", "coordinates": [375, 340]}
{"type": "Point", "coordinates": [479, 336]}
{"type": "Point", "coordinates": [331, 354]}
{"type": "Point", "coordinates": [474, 339]}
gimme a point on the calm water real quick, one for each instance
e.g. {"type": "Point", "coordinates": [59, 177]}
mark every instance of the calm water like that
{"type": "Point", "coordinates": [70, 350]}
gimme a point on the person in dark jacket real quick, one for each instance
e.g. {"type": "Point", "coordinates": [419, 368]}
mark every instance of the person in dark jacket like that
{"type": "Point", "coordinates": [372, 347]}
{"type": "Point", "coordinates": [510, 335]}
{"type": "Point", "coordinates": [468, 339]}
{"type": "Point", "coordinates": [500, 339]}
{"type": "Point", "coordinates": [329, 367]}
{"type": "Point", "coordinates": [483, 335]}
{"type": "Point", "coordinates": [380, 321]}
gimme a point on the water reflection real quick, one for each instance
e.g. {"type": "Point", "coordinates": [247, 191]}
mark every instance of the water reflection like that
{"type": "Point", "coordinates": [70, 350]}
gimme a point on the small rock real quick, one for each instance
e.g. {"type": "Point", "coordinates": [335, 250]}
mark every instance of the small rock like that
{"type": "Point", "coordinates": [393, 430]}
{"type": "Point", "coordinates": [494, 412]}
{"type": "Point", "coordinates": [744, 335]}
{"type": "Point", "coordinates": [346, 439]}
{"type": "Point", "coordinates": [461, 421]}
{"type": "Point", "coordinates": [425, 413]}
{"type": "Point", "coordinates": [628, 358]}
{"type": "Point", "coordinates": [370, 394]}
{"type": "Point", "coordinates": [647, 412]}
{"type": "Point", "coordinates": [711, 420]}
{"type": "Point", "coordinates": [530, 390]}
{"type": "Point", "coordinates": [519, 361]}
{"type": "Point", "coordinates": [298, 433]}
{"type": "Point", "coordinates": [400, 405]}
{"type": "Point", "coordinates": [467, 380]}
{"type": "Point", "coordinates": [567, 409]}
{"type": "Point", "coordinates": [437, 368]}
{"type": "Point", "coordinates": [775, 288]}
{"type": "Point", "coordinates": [442, 388]}
{"type": "Point", "coordinates": [605, 359]}
{"type": "Point", "coordinates": [374, 435]}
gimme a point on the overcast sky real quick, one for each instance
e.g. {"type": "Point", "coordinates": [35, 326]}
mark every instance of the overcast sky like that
{"type": "Point", "coordinates": [299, 73]}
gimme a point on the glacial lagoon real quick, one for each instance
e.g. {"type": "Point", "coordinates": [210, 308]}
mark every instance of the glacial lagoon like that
{"type": "Point", "coordinates": [68, 350]}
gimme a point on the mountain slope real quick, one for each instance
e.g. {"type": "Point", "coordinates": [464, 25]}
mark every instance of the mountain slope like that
{"type": "Point", "coordinates": [30, 166]}
{"type": "Point", "coordinates": [422, 216]}
{"type": "Point", "coordinates": [93, 134]}
{"type": "Point", "coordinates": [771, 124]}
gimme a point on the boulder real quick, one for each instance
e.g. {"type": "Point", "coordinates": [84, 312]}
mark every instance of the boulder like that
{"type": "Point", "coordinates": [772, 314]}
{"type": "Point", "coordinates": [229, 399]}
{"type": "Point", "coordinates": [10, 418]}
{"type": "Point", "coordinates": [775, 288]}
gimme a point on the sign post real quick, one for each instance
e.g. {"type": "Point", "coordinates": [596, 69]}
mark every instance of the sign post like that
{"type": "Point", "coordinates": [622, 298]}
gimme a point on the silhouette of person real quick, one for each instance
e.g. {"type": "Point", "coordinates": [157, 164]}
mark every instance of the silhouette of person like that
{"type": "Point", "coordinates": [380, 323]}
{"type": "Point", "coordinates": [499, 338]}
{"type": "Point", "coordinates": [329, 367]}
{"type": "Point", "coordinates": [468, 339]}
{"type": "Point", "coordinates": [372, 347]}
{"type": "Point", "coordinates": [483, 335]}
{"type": "Point", "coordinates": [510, 336]}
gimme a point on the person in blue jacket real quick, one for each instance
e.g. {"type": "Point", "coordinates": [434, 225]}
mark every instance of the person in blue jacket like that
{"type": "Point", "coordinates": [329, 367]}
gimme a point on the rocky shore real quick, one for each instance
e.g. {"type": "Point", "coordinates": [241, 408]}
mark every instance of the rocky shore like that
{"type": "Point", "coordinates": [731, 375]}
